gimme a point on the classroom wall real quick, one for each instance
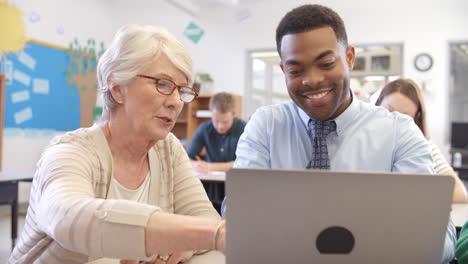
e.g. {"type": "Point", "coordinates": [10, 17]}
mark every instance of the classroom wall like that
{"type": "Point", "coordinates": [423, 26]}
{"type": "Point", "coordinates": [82, 19]}
{"type": "Point", "coordinates": [216, 53]}
{"type": "Point", "coordinates": [459, 95]}
{"type": "Point", "coordinates": [56, 22]}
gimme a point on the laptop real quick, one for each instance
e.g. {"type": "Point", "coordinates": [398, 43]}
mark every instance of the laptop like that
{"type": "Point", "coordinates": [311, 216]}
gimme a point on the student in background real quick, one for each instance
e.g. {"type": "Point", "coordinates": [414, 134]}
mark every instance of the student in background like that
{"type": "Point", "coordinates": [124, 188]}
{"type": "Point", "coordinates": [404, 96]}
{"type": "Point", "coordinates": [462, 246]}
{"type": "Point", "coordinates": [325, 127]}
{"type": "Point", "coordinates": [219, 136]}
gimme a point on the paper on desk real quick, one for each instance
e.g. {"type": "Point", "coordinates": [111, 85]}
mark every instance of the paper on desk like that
{"type": "Point", "coordinates": [217, 173]}
{"type": "Point", "coordinates": [105, 261]}
{"type": "Point", "coordinates": [203, 113]}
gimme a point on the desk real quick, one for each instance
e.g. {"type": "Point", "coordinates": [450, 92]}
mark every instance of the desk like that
{"type": "Point", "coordinates": [213, 182]}
{"type": "Point", "coordinates": [216, 176]}
{"type": "Point", "coordinates": [9, 195]}
{"type": "Point", "coordinates": [459, 214]}
{"type": "Point", "coordinates": [211, 257]}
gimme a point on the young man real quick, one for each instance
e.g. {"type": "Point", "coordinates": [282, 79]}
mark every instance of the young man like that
{"type": "Point", "coordinates": [325, 127]}
{"type": "Point", "coordinates": [219, 135]}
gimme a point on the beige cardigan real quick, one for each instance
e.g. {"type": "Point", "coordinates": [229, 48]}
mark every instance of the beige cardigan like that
{"type": "Point", "coordinates": [69, 218]}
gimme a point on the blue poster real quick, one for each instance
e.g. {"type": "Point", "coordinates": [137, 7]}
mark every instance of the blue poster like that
{"type": "Point", "coordinates": [42, 91]}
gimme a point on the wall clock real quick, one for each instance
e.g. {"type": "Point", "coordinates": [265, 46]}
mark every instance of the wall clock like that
{"type": "Point", "coordinates": [423, 62]}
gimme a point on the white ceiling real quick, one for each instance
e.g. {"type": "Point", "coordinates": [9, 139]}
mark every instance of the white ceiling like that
{"type": "Point", "coordinates": [238, 8]}
{"type": "Point", "coordinates": [215, 3]}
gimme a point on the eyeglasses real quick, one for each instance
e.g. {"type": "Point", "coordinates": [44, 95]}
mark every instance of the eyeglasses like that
{"type": "Point", "coordinates": [167, 87]}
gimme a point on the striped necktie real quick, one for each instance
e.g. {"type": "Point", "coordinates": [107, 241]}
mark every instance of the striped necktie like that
{"type": "Point", "coordinates": [319, 131]}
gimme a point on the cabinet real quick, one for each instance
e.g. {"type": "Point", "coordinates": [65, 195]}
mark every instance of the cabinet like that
{"type": "Point", "coordinates": [195, 113]}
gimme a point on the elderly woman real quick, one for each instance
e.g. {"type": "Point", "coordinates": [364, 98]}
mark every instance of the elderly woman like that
{"type": "Point", "coordinates": [124, 188]}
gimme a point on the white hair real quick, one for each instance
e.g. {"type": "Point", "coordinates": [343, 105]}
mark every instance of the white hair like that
{"type": "Point", "coordinates": [132, 50]}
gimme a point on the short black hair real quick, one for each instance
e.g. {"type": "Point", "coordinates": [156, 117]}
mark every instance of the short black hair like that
{"type": "Point", "coordinates": [310, 17]}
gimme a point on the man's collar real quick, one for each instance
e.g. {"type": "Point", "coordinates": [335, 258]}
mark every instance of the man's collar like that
{"type": "Point", "coordinates": [341, 121]}
{"type": "Point", "coordinates": [234, 122]}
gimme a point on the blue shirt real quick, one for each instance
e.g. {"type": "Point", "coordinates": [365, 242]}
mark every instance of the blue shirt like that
{"type": "Point", "coordinates": [219, 147]}
{"type": "Point", "coordinates": [367, 138]}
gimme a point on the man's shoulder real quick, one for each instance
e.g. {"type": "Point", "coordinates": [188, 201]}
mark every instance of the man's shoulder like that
{"type": "Point", "coordinates": [206, 123]}
{"type": "Point", "coordinates": [381, 114]}
{"type": "Point", "coordinates": [206, 126]}
{"type": "Point", "coordinates": [279, 111]}
{"type": "Point", "coordinates": [239, 123]}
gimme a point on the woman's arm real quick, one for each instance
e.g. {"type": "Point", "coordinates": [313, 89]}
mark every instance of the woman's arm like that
{"type": "Point", "coordinates": [68, 212]}
{"type": "Point", "coordinates": [203, 166]}
{"type": "Point", "coordinates": [64, 201]}
{"type": "Point", "coordinates": [442, 167]}
{"type": "Point", "coordinates": [459, 192]}
{"type": "Point", "coordinates": [167, 233]}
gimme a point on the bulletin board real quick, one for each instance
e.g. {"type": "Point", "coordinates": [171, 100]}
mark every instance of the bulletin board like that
{"type": "Point", "coordinates": [2, 107]}
{"type": "Point", "coordinates": [51, 88]}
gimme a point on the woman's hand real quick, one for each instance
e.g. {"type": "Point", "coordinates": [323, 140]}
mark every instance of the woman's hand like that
{"type": "Point", "coordinates": [126, 261]}
{"type": "Point", "coordinates": [221, 240]}
{"type": "Point", "coordinates": [201, 165]}
{"type": "Point", "coordinates": [175, 258]}
{"type": "Point", "coordinates": [179, 257]}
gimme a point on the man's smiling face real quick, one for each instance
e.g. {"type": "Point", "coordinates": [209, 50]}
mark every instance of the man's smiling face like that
{"type": "Point", "coordinates": [316, 68]}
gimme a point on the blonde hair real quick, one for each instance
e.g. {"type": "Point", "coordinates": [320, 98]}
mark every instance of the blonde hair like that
{"type": "Point", "coordinates": [132, 50]}
{"type": "Point", "coordinates": [411, 90]}
{"type": "Point", "coordinates": [222, 102]}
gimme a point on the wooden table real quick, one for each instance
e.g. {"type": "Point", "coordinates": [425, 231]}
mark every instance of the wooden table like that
{"type": "Point", "coordinates": [9, 184]}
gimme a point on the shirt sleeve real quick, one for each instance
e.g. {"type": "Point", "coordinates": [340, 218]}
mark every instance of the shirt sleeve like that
{"type": "Point", "coordinates": [461, 251]}
{"type": "Point", "coordinates": [449, 245]}
{"type": "Point", "coordinates": [68, 212]}
{"type": "Point", "coordinates": [197, 143]}
{"type": "Point", "coordinates": [440, 163]}
{"type": "Point", "coordinates": [412, 151]}
{"type": "Point", "coordinates": [253, 149]}
{"type": "Point", "coordinates": [190, 197]}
